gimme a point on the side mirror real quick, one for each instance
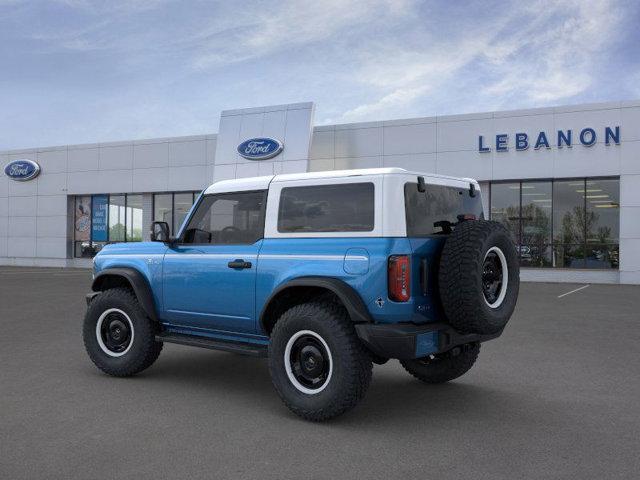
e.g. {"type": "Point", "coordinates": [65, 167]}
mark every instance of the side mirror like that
{"type": "Point", "coordinates": [159, 232]}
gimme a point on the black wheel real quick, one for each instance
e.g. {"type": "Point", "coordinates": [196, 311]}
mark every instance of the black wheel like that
{"type": "Point", "coordinates": [444, 366]}
{"type": "Point", "coordinates": [317, 363]}
{"type": "Point", "coordinates": [479, 277]}
{"type": "Point", "coordinates": [118, 335]}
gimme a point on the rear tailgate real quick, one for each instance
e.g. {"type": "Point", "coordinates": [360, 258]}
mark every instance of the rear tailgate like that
{"type": "Point", "coordinates": [430, 216]}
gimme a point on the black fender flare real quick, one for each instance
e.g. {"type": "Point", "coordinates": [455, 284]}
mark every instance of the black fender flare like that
{"type": "Point", "coordinates": [346, 294]}
{"type": "Point", "coordinates": [138, 283]}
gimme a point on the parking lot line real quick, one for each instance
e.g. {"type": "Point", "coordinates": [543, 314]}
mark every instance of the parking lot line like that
{"type": "Point", "coordinates": [573, 291]}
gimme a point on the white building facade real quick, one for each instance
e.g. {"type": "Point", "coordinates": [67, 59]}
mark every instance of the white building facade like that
{"type": "Point", "coordinates": [564, 180]}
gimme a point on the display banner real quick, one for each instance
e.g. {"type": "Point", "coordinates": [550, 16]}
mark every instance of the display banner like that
{"type": "Point", "coordinates": [82, 219]}
{"type": "Point", "coordinates": [99, 218]}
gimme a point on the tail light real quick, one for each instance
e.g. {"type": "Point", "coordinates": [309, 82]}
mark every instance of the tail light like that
{"type": "Point", "coordinates": [466, 216]}
{"type": "Point", "coordinates": [399, 278]}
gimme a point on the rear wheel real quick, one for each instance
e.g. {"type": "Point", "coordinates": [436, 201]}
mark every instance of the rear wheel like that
{"type": "Point", "coordinates": [118, 335]}
{"type": "Point", "coordinates": [318, 365]}
{"type": "Point", "coordinates": [443, 367]}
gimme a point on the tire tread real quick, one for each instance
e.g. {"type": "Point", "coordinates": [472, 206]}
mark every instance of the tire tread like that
{"type": "Point", "coordinates": [145, 332]}
{"type": "Point", "coordinates": [459, 276]}
{"type": "Point", "coordinates": [446, 369]}
{"type": "Point", "coordinates": [353, 353]}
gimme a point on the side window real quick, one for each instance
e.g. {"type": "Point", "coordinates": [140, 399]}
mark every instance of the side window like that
{"type": "Point", "coordinates": [346, 207]}
{"type": "Point", "coordinates": [228, 219]}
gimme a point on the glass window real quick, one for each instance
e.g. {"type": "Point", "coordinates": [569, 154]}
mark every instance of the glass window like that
{"type": "Point", "coordinates": [230, 218]}
{"type": "Point", "coordinates": [134, 218]}
{"type": "Point", "coordinates": [345, 207]}
{"type": "Point", "coordinates": [602, 256]}
{"type": "Point", "coordinates": [182, 205]}
{"type": "Point", "coordinates": [117, 218]}
{"type": "Point", "coordinates": [535, 249]}
{"type": "Point", "coordinates": [437, 204]}
{"type": "Point", "coordinates": [568, 256]}
{"type": "Point", "coordinates": [106, 219]}
{"type": "Point", "coordinates": [162, 208]}
{"type": "Point", "coordinates": [568, 212]}
{"type": "Point", "coordinates": [569, 223]}
{"type": "Point", "coordinates": [505, 207]}
{"type": "Point", "coordinates": [603, 211]}
{"type": "Point", "coordinates": [603, 223]}
{"type": "Point", "coordinates": [565, 223]}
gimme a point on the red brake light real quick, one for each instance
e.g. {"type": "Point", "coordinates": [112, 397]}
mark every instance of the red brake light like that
{"type": "Point", "coordinates": [399, 278]}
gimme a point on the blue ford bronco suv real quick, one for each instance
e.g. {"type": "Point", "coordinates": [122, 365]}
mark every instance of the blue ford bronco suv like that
{"type": "Point", "coordinates": [323, 273]}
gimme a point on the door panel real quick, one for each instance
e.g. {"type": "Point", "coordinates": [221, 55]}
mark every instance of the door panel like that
{"type": "Point", "coordinates": [209, 276]}
{"type": "Point", "coordinates": [202, 291]}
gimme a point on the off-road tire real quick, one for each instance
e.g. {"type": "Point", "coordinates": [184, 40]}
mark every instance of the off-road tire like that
{"type": "Point", "coordinates": [144, 348]}
{"type": "Point", "coordinates": [352, 365]}
{"type": "Point", "coordinates": [460, 277]}
{"type": "Point", "coordinates": [443, 367]}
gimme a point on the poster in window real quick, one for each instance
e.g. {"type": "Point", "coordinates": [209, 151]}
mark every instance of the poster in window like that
{"type": "Point", "coordinates": [99, 218]}
{"type": "Point", "coordinates": [82, 218]}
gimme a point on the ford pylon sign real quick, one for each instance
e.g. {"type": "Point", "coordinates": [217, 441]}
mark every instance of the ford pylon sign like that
{"type": "Point", "coordinates": [22, 170]}
{"type": "Point", "coordinates": [260, 148]}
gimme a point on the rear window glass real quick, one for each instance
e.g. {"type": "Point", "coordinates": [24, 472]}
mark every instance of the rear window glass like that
{"type": "Point", "coordinates": [347, 207]}
{"type": "Point", "coordinates": [438, 203]}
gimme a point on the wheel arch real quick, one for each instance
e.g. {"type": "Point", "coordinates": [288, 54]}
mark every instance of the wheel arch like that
{"type": "Point", "coordinates": [128, 278]}
{"type": "Point", "coordinates": [301, 289]}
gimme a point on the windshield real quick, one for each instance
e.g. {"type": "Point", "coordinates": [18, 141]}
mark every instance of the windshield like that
{"type": "Point", "coordinates": [436, 209]}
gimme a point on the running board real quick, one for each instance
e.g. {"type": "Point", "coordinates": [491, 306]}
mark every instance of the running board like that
{"type": "Point", "coordinates": [214, 344]}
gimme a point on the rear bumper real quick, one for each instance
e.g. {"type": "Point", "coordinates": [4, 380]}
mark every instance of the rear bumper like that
{"type": "Point", "coordinates": [407, 340]}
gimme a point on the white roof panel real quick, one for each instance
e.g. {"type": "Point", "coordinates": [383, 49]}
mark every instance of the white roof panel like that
{"type": "Point", "coordinates": [240, 184]}
{"type": "Point", "coordinates": [337, 173]}
{"type": "Point", "coordinates": [262, 183]}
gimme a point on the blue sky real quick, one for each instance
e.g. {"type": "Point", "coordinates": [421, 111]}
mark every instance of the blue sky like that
{"type": "Point", "coordinates": [77, 71]}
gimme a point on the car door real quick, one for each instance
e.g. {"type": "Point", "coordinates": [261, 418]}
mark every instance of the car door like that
{"type": "Point", "coordinates": [209, 274]}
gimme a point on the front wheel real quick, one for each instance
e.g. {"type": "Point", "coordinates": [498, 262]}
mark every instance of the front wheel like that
{"type": "Point", "coordinates": [445, 366]}
{"type": "Point", "coordinates": [118, 335]}
{"type": "Point", "coordinates": [318, 365]}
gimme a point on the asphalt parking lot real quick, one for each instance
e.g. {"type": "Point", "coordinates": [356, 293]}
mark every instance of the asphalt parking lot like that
{"type": "Point", "coordinates": [557, 396]}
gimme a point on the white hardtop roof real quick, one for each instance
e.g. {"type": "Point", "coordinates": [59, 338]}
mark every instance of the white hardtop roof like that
{"type": "Point", "coordinates": [262, 183]}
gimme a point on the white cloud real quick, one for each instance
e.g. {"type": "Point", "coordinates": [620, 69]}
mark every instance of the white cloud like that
{"type": "Point", "coordinates": [555, 63]}
{"type": "Point", "coordinates": [397, 98]}
{"type": "Point", "coordinates": [160, 68]}
{"type": "Point", "coordinates": [543, 53]}
{"type": "Point", "coordinates": [287, 25]}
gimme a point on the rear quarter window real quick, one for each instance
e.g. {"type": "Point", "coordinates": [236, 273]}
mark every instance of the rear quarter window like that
{"type": "Point", "coordinates": [346, 207]}
{"type": "Point", "coordinates": [438, 203]}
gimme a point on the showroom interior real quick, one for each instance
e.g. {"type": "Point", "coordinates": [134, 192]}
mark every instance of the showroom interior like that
{"type": "Point", "coordinates": [564, 180]}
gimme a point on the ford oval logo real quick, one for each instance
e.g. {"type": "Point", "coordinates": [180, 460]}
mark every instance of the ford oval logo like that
{"type": "Point", "coordinates": [260, 148]}
{"type": "Point", "coordinates": [22, 170]}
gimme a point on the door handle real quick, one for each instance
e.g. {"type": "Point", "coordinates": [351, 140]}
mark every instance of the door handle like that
{"type": "Point", "coordinates": [239, 264]}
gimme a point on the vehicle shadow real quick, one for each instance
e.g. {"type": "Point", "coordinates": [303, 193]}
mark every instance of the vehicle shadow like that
{"type": "Point", "coordinates": [394, 399]}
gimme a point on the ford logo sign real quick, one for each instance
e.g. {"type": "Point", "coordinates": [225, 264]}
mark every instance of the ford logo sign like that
{"type": "Point", "coordinates": [22, 170]}
{"type": "Point", "coordinates": [260, 148]}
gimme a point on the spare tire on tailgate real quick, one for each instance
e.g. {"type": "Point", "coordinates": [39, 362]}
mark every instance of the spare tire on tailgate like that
{"type": "Point", "coordinates": [479, 277]}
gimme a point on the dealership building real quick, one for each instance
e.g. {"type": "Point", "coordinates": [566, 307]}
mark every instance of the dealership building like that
{"type": "Point", "coordinates": [564, 180]}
